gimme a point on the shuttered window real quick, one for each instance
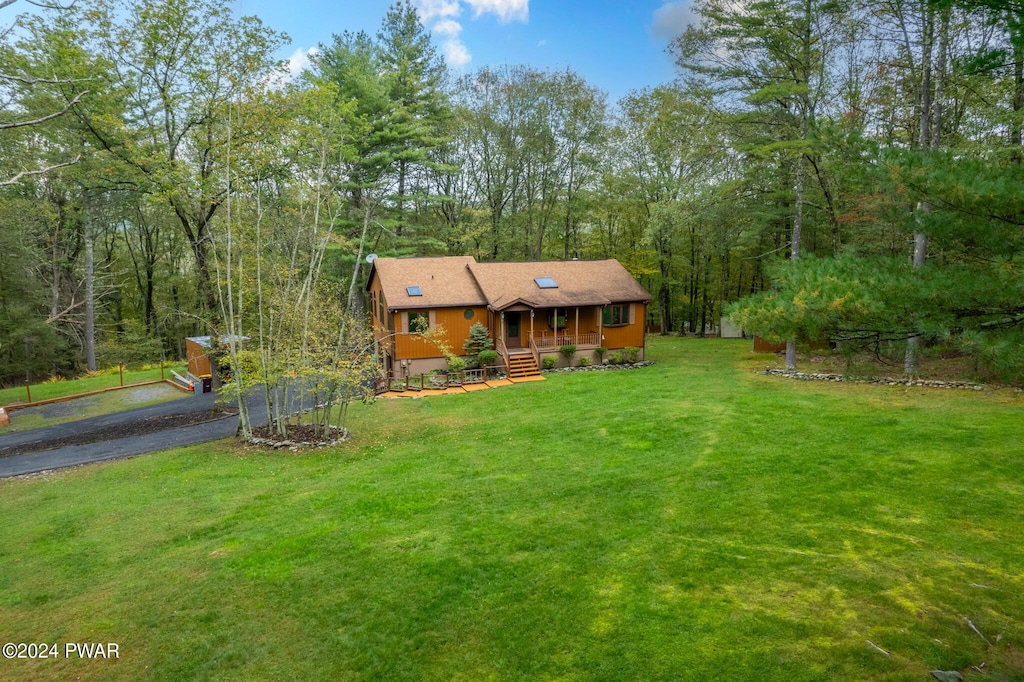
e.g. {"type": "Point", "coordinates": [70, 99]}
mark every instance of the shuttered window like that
{"type": "Point", "coordinates": [615, 315]}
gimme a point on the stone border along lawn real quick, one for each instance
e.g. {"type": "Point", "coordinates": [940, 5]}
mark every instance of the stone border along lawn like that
{"type": "Point", "coordinates": [600, 368]}
{"type": "Point", "coordinates": [883, 381]}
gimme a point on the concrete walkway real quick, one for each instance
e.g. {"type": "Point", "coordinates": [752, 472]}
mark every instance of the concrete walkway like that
{"type": "Point", "coordinates": [129, 446]}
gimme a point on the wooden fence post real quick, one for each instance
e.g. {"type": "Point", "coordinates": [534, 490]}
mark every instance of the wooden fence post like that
{"type": "Point", "coordinates": [120, 370]}
{"type": "Point", "coordinates": [28, 391]}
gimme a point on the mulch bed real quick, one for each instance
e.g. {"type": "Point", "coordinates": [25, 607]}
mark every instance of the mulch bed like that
{"type": "Point", "coordinates": [300, 436]}
{"type": "Point", "coordinates": [137, 428]}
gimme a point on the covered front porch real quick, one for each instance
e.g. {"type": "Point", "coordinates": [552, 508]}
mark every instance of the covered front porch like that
{"type": "Point", "coordinates": [522, 329]}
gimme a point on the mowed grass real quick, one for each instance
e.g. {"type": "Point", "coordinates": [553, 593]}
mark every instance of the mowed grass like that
{"type": "Point", "coordinates": [691, 520]}
{"type": "Point", "coordinates": [106, 379]}
{"type": "Point", "coordinates": [27, 418]}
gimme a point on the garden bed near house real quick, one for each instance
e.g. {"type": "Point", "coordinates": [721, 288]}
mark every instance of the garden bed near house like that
{"type": "Point", "coordinates": [602, 368]}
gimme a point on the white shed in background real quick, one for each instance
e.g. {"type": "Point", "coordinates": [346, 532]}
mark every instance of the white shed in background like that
{"type": "Point", "coordinates": [729, 330]}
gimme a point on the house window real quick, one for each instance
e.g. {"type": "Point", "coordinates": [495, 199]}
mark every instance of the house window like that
{"type": "Point", "coordinates": [558, 315]}
{"type": "Point", "coordinates": [546, 282]}
{"type": "Point", "coordinates": [615, 315]}
{"type": "Point", "coordinates": [380, 304]}
{"type": "Point", "coordinates": [419, 322]}
{"type": "Point", "coordinates": [468, 313]}
{"type": "Point", "coordinates": [414, 291]}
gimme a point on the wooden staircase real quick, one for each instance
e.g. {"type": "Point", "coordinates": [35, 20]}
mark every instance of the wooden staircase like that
{"type": "Point", "coordinates": [522, 365]}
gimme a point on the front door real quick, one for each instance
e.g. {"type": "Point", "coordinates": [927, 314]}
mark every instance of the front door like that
{"type": "Point", "coordinates": [512, 335]}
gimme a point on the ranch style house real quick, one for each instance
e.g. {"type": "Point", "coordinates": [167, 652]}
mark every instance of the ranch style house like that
{"type": "Point", "coordinates": [531, 309]}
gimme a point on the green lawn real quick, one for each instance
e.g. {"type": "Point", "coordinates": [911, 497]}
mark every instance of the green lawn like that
{"type": "Point", "coordinates": [26, 418]}
{"type": "Point", "coordinates": [59, 389]}
{"type": "Point", "coordinates": [691, 520]}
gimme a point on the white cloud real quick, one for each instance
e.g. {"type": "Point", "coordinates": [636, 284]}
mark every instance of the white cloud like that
{"type": "Point", "coordinates": [431, 9]}
{"type": "Point", "coordinates": [293, 66]}
{"type": "Point", "coordinates": [299, 61]}
{"type": "Point", "coordinates": [446, 12]}
{"type": "Point", "coordinates": [447, 27]}
{"type": "Point", "coordinates": [671, 19]}
{"type": "Point", "coordinates": [456, 54]}
{"type": "Point", "coordinates": [505, 10]}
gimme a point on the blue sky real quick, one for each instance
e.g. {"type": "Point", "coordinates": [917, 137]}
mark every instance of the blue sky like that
{"type": "Point", "coordinates": [617, 45]}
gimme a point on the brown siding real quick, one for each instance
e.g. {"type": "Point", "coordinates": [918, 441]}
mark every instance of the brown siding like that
{"type": "Point", "coordinates": [198, 362]}
{"type": "Point", "coordinates": [631, 334]}
{"type": "Point", "coordinates": [762, 346]}
{"type": "Point", "coordinates": [381, 327]}
{"type": "Point", "coordinates": [456, 326]}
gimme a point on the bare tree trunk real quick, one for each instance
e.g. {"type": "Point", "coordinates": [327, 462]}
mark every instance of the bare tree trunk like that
{"type": "Point", "coordinates": [1016, 136]}
{"type": "Point", "coordinates": [227, 309]}
{"type": "Point", "coordinates": [704, 296]}
{"type": "Point", "coordinates": [794, 248]}
{"type": "Point", "coordinates": [401, 198]}
{"type": "Point", "coordinates": [90, 305]}
{"type": "Point", "coordinates": [928, 135]}
{"type": "Point", "coordinates": [1016, 24]}
{"type": "Point", "coordinates": [830, 203]}
{"type": "Point", "coordinates": [354, 303]}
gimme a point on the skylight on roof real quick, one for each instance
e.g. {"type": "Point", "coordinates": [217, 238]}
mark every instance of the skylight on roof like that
{"type": "Point", "coordinates": [546, 282]}
{"type": "Point", "coordinates": [414, 291]}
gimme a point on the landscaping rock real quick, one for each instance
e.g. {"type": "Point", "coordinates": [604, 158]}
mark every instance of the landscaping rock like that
{"type": "Point", "coordinates": [602, 368]}
{"type": "Point", "coordinates": [947, 675]}
{"type": "Point", "coordinates": [884, 381]}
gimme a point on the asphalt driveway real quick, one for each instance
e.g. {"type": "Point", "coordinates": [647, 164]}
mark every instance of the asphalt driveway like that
{"type": "Point", "coordinates": [71, 455]}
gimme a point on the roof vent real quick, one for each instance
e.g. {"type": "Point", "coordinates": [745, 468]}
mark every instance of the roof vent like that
{"type": "Point", "coordinates": [546, 282]}
{"type": "Point", "coordinates": [414, 291]}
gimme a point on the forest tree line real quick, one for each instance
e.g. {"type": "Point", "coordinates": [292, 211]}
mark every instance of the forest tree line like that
{"type": "Point", "coordinates": [847, 171]}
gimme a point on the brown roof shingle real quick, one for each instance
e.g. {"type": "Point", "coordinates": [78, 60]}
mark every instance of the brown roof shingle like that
{"type": "Point", "coordinates": [461, 281]}
{"type": "Point", "coordinates": [444, 282]}
{"type": "Point", "coordinates": [597, 282]}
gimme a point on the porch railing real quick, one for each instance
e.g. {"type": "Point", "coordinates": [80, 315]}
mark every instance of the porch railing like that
{"type": "Point", "coordinates": [545, 342]}
{"type": "Point", "coordinates": [502, 351]}
{"type": "Point", "coordinates": [535, 351]}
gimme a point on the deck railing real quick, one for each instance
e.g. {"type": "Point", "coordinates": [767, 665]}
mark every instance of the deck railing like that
{"type": "Point", "coordinates": [545, 342]}
{"type": "Point", "coordinates": [442, 380]}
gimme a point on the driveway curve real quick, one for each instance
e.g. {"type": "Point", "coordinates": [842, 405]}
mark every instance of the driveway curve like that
{"type": "Point", "coordinates": [116, 448]}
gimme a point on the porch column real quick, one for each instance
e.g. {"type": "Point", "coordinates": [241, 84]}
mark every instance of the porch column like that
{"type": "Point", "coordinates": [501, 327]}
{"type": "Point", "coordinates": [556, 327]}
{"type": "Point", "coordinates": [600, 326]}
{"type": "Point", "coordinates": [577, 326]}
{"type": "Point", "coordinates": [531, 325]}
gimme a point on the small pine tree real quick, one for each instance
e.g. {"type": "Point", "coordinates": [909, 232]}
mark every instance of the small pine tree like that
{"type": "Point", "coordinates": [479, 340]}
